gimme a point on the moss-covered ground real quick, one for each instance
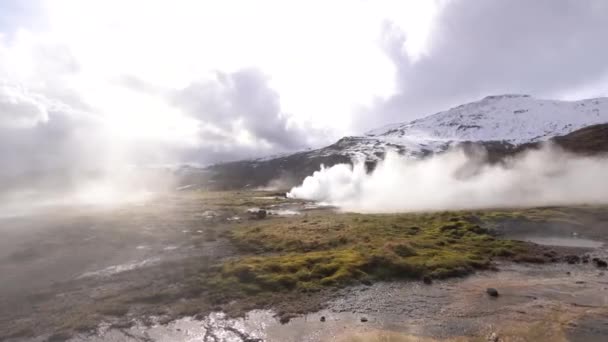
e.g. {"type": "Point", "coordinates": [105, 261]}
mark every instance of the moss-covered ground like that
{"type": "Point", "coordinates": [323, 249]}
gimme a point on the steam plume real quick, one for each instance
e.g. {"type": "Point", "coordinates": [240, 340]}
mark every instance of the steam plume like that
{"type": "Point", "coordinates": [459, 180]}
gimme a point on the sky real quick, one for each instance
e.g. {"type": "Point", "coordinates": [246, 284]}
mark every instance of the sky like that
{"type": "Point", "coordinates": [88, 85]}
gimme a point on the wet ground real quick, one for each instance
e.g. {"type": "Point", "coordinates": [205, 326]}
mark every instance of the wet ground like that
{"type": "Point", "coordinates": [68, 263]}
{"type": "Point", "coordinates": [535, 303]}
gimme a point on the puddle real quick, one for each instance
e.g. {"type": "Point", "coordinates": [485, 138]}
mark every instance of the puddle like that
{"type": "Point", "coordinates": [114, 269]}
{"type": "Point", "coordinates": [214, 327]}
{"type": "Point", "coordinates": [274, 212]}
{"type": "Point", "coordinates": [283, 212]}
{"type": "Point", "coordinates": [560, 241]}
{"type": "Point", "coordinates": [269, 197]}
{"type": "Point", "coordinates": [207, 214]}
{"type": "Point", "coordinates": [592, 328]}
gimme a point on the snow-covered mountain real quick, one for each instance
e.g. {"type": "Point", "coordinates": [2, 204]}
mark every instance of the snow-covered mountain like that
{"type": "Point", "coordinates": [512, 119]}
{"type": "Point", "coordinates": [503, 124]}
{"type": "Point", "coordinates": [516, 119]}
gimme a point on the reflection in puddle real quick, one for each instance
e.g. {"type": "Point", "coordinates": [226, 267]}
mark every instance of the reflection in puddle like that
{"type": "Point", "coordinates": [110, 270]}
{"type": "Point", "coordinates": [215, 327]}
{"type": "Point", "coordinates": [560, 241]}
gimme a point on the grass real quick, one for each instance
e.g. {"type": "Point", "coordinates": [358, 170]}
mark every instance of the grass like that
{"type": "Point", "coordinates": [324, 249]}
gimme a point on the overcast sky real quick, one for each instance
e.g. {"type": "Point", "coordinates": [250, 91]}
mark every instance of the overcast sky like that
{"type": "Point", "coordinates": [104, 82]}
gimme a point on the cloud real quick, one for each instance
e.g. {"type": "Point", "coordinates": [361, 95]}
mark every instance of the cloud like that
{"type": "Point", "coordinates": [284, 76]}
{"type": "Point", "coordinates": [543, 48]}
{"type": "Point", "coordinates": [19, 109]}
{"type": "Point", "coordinates": [240, 116]}
{"type": "Point", "coordinates": [40, 137]}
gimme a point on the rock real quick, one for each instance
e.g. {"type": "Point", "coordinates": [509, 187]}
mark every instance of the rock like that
{"type": "Point", "coordinates": [322, 319]}
{"type": "Point", "coordinates": [427, 280]}
{"type": "Point", "coordinates": [600, 263]}
{"type": "Point", "coordinates": [363, 319]}
{"type": "Point", "coordinates": [493, 337]}
{"type": "Point", "coordinates": [550, 254]}
{"type": "Point", "coordinates": [572, 259]}
{"type": "Point", "coordinates": [261, 214]}
{"type": "Point", "coordinates": [284, 319]}
{"type": "Point", "coordinates": [492, 292]}
{"type": "Point", "coordinates": [585, 259]}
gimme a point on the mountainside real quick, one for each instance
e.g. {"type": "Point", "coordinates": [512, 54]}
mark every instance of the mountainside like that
{"type": "Point", "coordinates": [516, 119]}
{"type": "Point", "coordinates": [504, 125]}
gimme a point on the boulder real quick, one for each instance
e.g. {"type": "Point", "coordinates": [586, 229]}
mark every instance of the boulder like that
{"type": "Point", "coordinates": [257, 214]}
{"type": "Point", "coordinates": [572, 259]}
{"type": "Point", "coordinates": [600, 263]}
{"type": "Point", "coordinates": [492, 292]}
{"type": "Point", "coordinates": [261, 214]}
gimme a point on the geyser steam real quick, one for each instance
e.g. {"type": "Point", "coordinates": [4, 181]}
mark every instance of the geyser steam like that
{"type": "Point", "coordinates": [459, 180]}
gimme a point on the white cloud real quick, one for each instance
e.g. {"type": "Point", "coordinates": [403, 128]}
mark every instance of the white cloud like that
{"type": "Point", "coordinates": [123, 62]}
{"type": "Point", "coordinates": [19, 109]}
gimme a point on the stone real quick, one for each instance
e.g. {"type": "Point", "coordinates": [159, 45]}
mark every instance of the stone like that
{"type": "Point", "coordinates": [322, 319]}
{"type": "Point", "coordinates": [572, 259]}
{"type": "Point", "coordinates": [600, 263]}
{"type": "Point", "coordinates": [427, 280]}
{"type": "Point", "coordinates": [363, 319]}
{"type": "Point", "coordinates": [492, 292]}
{"type": "Point", "coordinates": [261, 214]}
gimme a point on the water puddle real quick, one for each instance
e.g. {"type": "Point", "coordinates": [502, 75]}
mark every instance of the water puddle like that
{"type": "Point", "coordinates": [591, 328]}
{"type": "Point", "coordinates": [215, 327]}
{"type": "Point", "coordinates": [273, 212]}
{"type": "Point", "coordinates": [560, 241]}
{"type": "Point", "coordinates": [114, 269]}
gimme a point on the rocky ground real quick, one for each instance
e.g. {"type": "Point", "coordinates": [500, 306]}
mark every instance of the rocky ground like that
{"type": "Point", "coordinates": [139, 273]}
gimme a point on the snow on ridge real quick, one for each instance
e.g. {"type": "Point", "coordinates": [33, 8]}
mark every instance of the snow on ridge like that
{"type": "Point", "coordinates": [513, 118]}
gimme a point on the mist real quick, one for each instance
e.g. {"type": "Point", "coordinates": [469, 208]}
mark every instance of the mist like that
{"type": "Point", "coordinates": [38, 192]}
{"type": "Point", "coordinates": [460, 179]}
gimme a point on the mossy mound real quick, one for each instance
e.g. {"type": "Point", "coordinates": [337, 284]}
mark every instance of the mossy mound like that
{"type": "Point", "coordinates": [310, 252]}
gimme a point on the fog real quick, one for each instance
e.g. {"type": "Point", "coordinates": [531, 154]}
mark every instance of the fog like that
{"type": "Point", "coordinates": [460, 180]}
{"type": "Point", "coordinates": [39, 192]}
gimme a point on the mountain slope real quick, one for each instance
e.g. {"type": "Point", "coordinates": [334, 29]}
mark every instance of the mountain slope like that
{"type": "Point", "coordinates": [504, 125]}
{"type": "Point", "coordinates": [516, 119]}
{"type": "Point", "coordinates": [512, 119]}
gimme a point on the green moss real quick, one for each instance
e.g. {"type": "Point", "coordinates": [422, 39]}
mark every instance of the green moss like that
{"type": "Point", "coordinates": [317, 250]}
{"type": "Point", "coordinates": [321, 248]}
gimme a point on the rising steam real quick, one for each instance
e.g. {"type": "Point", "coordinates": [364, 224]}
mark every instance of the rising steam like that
{"type": "Point", "coordinates": [459, 180]}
